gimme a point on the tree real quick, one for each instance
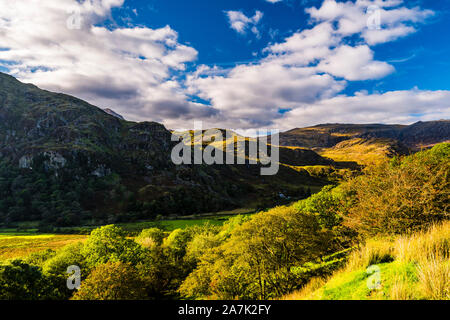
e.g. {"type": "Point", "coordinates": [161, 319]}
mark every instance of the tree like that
{"type": "Point", "coordinates": [112, 281]}
{"type": "Point", "coordinates": [255, 261]}
{"type": "Point", "coordinates": [67, 256]}
{"type": "Point", "coordinates": [22, 281]}
{"type": "Point", "coordinates": [109, 243]}
{"type": "Point", "coordinates": [151, 237]}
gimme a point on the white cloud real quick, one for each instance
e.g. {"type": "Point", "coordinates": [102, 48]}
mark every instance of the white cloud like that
{"type": "Point", "coordinates": [127, 69]}
{"type": "Point", "coordinates": [241, 23]}
{"type": "Point", "coordinates": [394, 20]}
{"type": "Point", "coordinates": [138, 71]}
{"type": "Point", "coordinates": [249, 96]}
{"type": "Point", "coordinates": [301, 73]}
{"type": "Point", "coordinates": [402, 107]}
{"type": "Point", "coordinates": [354, 63]}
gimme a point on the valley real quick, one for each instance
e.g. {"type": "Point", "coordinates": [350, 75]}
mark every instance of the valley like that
{"type": "Point", "coordinates": [82, 186]}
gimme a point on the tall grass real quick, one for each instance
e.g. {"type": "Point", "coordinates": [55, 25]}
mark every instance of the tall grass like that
{"type": "Point", "coordinates": [434, 277]}
{"type": "Point", "coordinates": [425, 245]}
{"type": "Point", "coordinates": [307, 290]}
{"type": "Point", "coordinates": [373, 252]}
{"type": "Point", "coordinates": [428, 251]}
{"type": "Point", "coordinates": [401, 289]}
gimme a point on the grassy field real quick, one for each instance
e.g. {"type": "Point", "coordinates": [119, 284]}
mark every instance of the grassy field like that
{"type": "Point", "coordinates": [17, 245]}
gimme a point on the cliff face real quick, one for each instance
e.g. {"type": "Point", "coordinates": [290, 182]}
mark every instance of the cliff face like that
{"type": "Point", "coordinates": [35, 121]}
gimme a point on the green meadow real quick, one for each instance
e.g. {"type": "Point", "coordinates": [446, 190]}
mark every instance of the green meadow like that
{"type": "Point", "coordinates": [26, 239]}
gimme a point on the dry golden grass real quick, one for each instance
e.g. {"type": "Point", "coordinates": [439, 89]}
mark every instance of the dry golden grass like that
{"type": "Point", "coordinates": [22, 246]}
{"type": "Point", "coordinates": [401, 289]}
{"type": "Point", "coordinates": [359, 150]}
{"type": "Point", "coordinates": [423, 246]}
{"type": "Point", "coordinates": [428, 251]}
{"type": "Point", "coordinates": [307, 290]}
{"type": "Point", "coordinates": [373, 252]}
{"type": "Point", "coordinates": [434, 278]}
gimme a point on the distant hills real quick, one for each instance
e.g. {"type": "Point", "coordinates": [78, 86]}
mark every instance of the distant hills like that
{"type": "Point", "coordinates": [64, 162]}
{"type": "Point", "coordinates": [415, 136]}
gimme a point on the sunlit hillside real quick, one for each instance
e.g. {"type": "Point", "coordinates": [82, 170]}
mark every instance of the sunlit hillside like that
{"type": "Point", "coordinates": [364, 151]}
{"type": "Point", "coordinates": [403, 268]}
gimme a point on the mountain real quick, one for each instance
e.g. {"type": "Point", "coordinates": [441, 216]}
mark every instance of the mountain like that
{"type": "Point", "coordinates": [65, 162]}
{"type": "Point", "coordinates": [415, 136]}
{"type": "Point", "coordinates": [425, 134]}
{"type": "Point", "coordinates": [328, 135]}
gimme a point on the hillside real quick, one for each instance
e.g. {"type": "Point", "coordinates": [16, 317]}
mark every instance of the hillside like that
{"type": "Point", "coordinates": [383, 234]}
{"type": "Point", "coordinates": [413, 267]}
{"type": "Point", "coordinates": [415, 136]}
{"type": "Point", "coordinates": [65, 162]}
{"type": "Point", "coordinates": [364, 151]}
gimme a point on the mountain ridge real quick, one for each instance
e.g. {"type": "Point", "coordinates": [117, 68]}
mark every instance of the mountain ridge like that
{"type": "Point", "coordinates": [414, 136]}
{"type": "Point", "coordinates": [63, 161]}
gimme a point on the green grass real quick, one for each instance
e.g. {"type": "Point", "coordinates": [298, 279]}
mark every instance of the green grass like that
{"type": "Point", "coordinates": [411, 267]}
{"type": "Point", "coordinates": [354, 285]}
{"type": "Point", "coordinates": [14, 232]}
{"type": "Point", "coordinates": [170, 225]}
{"type": "Point", "coordinates": [218, 219]}
{"type": "Point", "coordinates": [19, 243]}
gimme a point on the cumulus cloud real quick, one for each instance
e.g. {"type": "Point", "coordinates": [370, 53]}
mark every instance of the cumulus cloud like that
{"type": "Point", "coordinates": [391, 107]}
{"type": "Point", "coordinates": [368, 17]}
{"type": "Point", "coordinates": [250, 96]}
{"type": "Point", "coordinates": [60, 45]}
{"type": "Point", "coordinates": [354, 63]}
{"type": "Point", "coordinates": [240, 23]}
{"type": "Point", "coordinates": [306, 72]}
{"type": "Point", "coordinates": [142, 72]}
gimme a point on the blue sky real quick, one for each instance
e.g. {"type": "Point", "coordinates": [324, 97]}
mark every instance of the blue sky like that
{"type": "Point", "coordinates": [421, 59]}
{"type": "Point", "coordinates": [240, 64]}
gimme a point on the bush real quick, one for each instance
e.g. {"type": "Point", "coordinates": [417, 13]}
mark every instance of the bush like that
{"type": "Point", "coordinates": [67, 256]}
{"type": "Point", "coordinates": [255, 261]}
{"type": "Point", "coordinates": [402, 196]}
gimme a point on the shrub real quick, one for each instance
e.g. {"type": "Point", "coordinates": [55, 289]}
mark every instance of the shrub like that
{"type": "Point", "coordinates": [67, 256]}
{"type": "Point", "coordinates": [255, 262]}
{"type": "Point", "coordinates": [402, 196]}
